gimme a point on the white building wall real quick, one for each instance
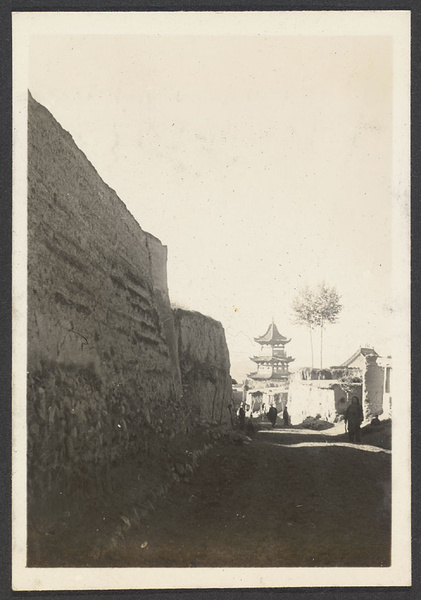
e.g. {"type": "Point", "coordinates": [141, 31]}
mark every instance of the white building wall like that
{"type": "Point", "coordinates": [309, 399]}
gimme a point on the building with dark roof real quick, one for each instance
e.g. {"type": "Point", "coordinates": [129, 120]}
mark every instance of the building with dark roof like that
{"type": "Point", "coordinates": [357, 360]}
{"type": "Point", "coordinates": [272, 362]}
{"type": "Point", "coordinates": [328, 393]}
{"type": "Point", "coordinates": [268, 385]}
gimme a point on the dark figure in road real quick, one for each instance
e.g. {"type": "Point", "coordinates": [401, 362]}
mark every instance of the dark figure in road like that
{"type": "Point", "coordinates": [231, 417]}
{"type": "Point", "coordinates": [272, 414]}
{"type": "Point", "coordinates": [354, 418]}
{"type": "Point", "coordinates": [285, 416]}
{"type": "Point", "coordinates": [375, 421]}
{"type": "Point", "coordinates": [250, 427]}
{"type": "Point", "coordinates": [242, 416]}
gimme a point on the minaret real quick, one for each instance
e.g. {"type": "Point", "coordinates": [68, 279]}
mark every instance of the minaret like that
{"type": "Point", "coordinates": [272, 363]}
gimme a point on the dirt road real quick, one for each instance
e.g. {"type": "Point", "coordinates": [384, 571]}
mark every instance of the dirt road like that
{"type": "Point", "coordinates": [289, 498]}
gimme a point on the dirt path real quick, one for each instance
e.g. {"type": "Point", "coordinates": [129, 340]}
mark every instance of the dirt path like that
{"type": "Point", "coordinates": [287, 499]}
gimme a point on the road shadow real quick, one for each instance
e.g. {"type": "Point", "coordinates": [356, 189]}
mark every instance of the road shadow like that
{"type": "Point", "coordinates": [372, 438]}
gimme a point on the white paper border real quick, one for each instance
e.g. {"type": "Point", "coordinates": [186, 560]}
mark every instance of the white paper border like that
{"type": "Point", "coordinates": [320, 23]}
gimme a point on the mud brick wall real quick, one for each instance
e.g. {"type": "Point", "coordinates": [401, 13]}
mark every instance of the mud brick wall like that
{"type": "Point", "coordinates": [312, 397]}
{"type": "Point", "coordinates": [205, 367]}
{"type": "Point", "coordinates": [373, 380]}
{"type": "Point", "coordinates": [104, 380]}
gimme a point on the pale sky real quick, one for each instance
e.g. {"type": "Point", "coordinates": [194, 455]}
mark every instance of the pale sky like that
{"type": "Point", "coordinates": [263, 163]}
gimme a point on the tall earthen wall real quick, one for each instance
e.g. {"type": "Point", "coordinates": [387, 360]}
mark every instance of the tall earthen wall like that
{"type": "Point", "coordinates": [204, 364]}
{"type": "Point", "coordinates": [104, 380]}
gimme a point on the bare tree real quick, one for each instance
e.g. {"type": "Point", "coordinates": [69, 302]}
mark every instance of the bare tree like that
{"type": "Point", "coordinates": [303, 306]}
{"type": "Point", "coordinates": [317, 308]}
{"type": "Point", "coordinates": [328, 308]}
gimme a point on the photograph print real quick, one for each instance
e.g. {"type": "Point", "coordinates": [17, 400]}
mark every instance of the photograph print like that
{"type": "Point", "coordinates": [211, 300]}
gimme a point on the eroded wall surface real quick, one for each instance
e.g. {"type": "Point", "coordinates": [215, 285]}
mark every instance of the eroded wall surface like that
{"type": "Point", "coordinates": [104, 380]}
{"type": "Point", "coordinates": [205, 366]}
{"type": "Point", "coordinates": [373, 379]}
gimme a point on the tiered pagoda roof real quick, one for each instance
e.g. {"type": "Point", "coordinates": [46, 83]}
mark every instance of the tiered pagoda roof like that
{"type": "Point", "coordinates": [272, 336]}
{"type": "Point", "coordinates": [271, 359]}
{"type": "Point", "coordinates": [267, 376]}
{"type": "Point", "coordinates": [272, 364]}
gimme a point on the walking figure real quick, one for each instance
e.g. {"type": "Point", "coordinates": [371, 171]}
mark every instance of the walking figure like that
{"type": "Point", "coordinates": [272, 414]}
{"type": "Point", "coordinates": [285, 416]}
{"type": "Point", "coordinates": [242, 416]}
{"type": "Point", "coordinates": [354, 418]}
{"type": "Point", "coordinates": [250, 426]}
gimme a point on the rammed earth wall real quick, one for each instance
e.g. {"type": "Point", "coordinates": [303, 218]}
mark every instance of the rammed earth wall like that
{"type": "Point", "coordinates": [204, 357]}
{"type": "Point", "coordinates": [104, 379]}
{"type": "Point", "coordinates": [373, 387]}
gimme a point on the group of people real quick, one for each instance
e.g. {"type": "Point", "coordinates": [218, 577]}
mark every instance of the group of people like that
{"type": "Point", "coordinates": [272, 416]}
{"type": "Point", "coordinates": [353, 419]}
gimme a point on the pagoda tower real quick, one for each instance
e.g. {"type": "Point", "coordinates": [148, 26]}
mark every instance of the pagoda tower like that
{"type": "Point", "coordinates": [272, 363]}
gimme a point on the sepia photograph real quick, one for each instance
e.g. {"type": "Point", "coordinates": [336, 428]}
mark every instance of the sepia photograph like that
{"type": "Point", "coordinates": [211, 363]}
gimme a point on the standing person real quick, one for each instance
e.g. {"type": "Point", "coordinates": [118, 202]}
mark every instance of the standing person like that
{"type": "Point", "coordinates": [272, 414]}
{"type": "Point", "coordinates": [375, 421]}
{"type": "Point", "coordinates": [250, 426]}
{"type": "Point", "coordinates": [354, 418]}
{"type": "Point", "coordinates": [230, 405]}
{"type": "Point", "coordinates": [242, 416]}
{"type": "Point", "coordinates": [285, 416]}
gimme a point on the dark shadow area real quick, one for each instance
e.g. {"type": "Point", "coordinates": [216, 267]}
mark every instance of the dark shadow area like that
{"type": "Point", "coordinates": [250, 504]}
{"type": "Point", "coordinates": [371, 435]}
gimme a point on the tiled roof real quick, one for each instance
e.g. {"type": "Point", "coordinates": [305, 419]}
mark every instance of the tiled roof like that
{"type": "Point", "coordinates": [271, 359]}
{"type": "Point", "coordinates": [272, 336]}
{"type": "Point", "coordinates": [260, 376]}
{"type": "Point", "coordinates": [360, 352]}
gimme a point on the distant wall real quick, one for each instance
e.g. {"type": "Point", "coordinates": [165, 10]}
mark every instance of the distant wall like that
{"type": "Point", "coordinates": [373, 380]}
{"type": "Point", "coordinates": [104, 379]}
{"type": "Point", "coordinates": [261, 397]}
{"type": "Point", "coordinates": [318, 397]}
{"type": "Point", "coordinates": [205, 366]}
{"type": "Point", "coordinates": [237, 395]}
{"type": "Point", "coordinates": [306, 398]}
